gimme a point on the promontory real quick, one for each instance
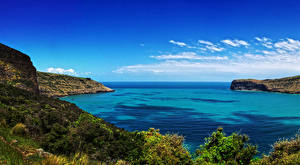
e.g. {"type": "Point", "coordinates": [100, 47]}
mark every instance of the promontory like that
{"type": "Point", "coordinates": [51, 84]}
{"type": "Point", "coordinates": [282, 85]}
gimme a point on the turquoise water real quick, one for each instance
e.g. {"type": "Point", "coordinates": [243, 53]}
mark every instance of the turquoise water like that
{"type": "Point", "coordinates": [194, 110]}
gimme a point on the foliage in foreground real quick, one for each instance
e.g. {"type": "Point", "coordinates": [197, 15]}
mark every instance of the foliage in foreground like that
{"type": "Point", "coordinates": [62, 128]}
{"type": "Point", "coordinates": [222, 149]}
{"type": "Point", "coordinates": [163, 149]}
{"type": "Point", "coordinates": [284, 152]}
{"type": "Point", "coordinates": [16, 149]}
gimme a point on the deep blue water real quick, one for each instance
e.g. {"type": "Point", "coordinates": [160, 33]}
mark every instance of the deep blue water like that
{"type": "Point", "coordinates": [195, 110]}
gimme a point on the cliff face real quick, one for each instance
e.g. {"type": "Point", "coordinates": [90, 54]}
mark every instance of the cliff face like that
{"type": "Point", "coordinates": [16, 69]}
{"type": "Point", "coordinates": [51, 84]}
{"type": "Point", "coordinates": [283, 85]}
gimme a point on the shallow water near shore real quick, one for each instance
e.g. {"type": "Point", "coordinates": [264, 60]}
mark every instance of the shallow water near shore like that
{"type": "Point", "coordinates": [196, 109]}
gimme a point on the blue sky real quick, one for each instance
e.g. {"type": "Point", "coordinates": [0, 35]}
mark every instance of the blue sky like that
{"type": "Point", "coordinates": [170, 40]}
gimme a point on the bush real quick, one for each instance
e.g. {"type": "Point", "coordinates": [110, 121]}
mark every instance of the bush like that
{"type": "Point", "coordinates": [19, 129]}
{"type": "Point", "coordinates": [284, 152]}
{"type": "Point", "coordinates": [220, 149]}
{"type": "Point", "coordinates": [122, 162]}
{"type": "Point", "coordinates": [163, 149]}
{"type": "Point", "coordinates": [3, 123]}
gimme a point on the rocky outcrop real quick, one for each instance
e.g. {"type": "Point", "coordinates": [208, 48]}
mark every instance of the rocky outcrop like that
{"type": "Point", "coordinates": [58, 85]}
{"type": "Point", "coordinates": [16, 69]}
{"type": "Point", "coordinates": [283, 85]}
{"type": "Point", "coordinates": [248, 84]}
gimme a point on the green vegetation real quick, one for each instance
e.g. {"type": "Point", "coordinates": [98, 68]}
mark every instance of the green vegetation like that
{"type": "Point", "coordinates": [226, 150]}
{"type": "Point", "coordinates": [162, 149]}
{"type": "Point", "coordinates": [284, 152]}
{"type": "Point", "coordinates": [16, 149]}
{"type": "Point", "coordinates": [9, 155]}
{"type": "Point", "coordinates": [62, 128]}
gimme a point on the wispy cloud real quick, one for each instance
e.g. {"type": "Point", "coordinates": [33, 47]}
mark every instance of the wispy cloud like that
{"type": "Point", "coordinates": [62, 71]}
{"type": "Point", "coordinates": [264, 57]}
{"type": "Point", "coordinates": [205, 42]}
{"type": "Point", "coordinates": [266, 42]}
{"type": "Point", "coordinates": [210, 46]}
{"type": "Point", "coordinates": [288, 44]}
{"type": "Point", "coordinates": [235, 42]}
{"type": "Point", "coordinates": [214, 48]}
{"type": "Point", "coordinates": [189, 56]}
{"type": "Point", "coordinates": [181, 44]}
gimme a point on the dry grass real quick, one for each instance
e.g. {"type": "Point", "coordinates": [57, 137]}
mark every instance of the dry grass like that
{"type": "Point", "coordinates": [19, 129]}
{"type": "Point", "coordinates": [284, 152]}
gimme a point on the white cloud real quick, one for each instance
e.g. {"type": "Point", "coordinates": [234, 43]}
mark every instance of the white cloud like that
{"type": "Point", "coordinates": [210, 46]}
{"type": "Point", "coordinates": [188, 56]}
{"type": "Point", "coordinates": [205, 42]}
{"type": "Point", "coordinates": [214, 48]}
{"type": "Point", "coordinates": [277, 58]}
{"type": "Point", "coordinates": [234, 68]}
{"type": "Point", "coordinates": [235, 43]}
{"type": "Point", "coordinates": [181, 44]}
{"type": "Point", "coordinates": [288, 45]}
{"type": "Point", "coordinates": [266, 42]}
{"type": "Point", "coordinates": [62, 71]}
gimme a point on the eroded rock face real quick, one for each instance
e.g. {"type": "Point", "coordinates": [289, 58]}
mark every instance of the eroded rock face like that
{"type": "Point", "coordinates": [16, 69]}
{"type": "Point", "coordinates": [283, 85]}
{"type": "Point", "coordinates": [256, 85]}
{"type": "Point", "coordinates": [58, 85]}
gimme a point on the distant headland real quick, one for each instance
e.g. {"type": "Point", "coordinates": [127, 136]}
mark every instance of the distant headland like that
{"type": "Point", "coordinates": [51, 84]}
{"type": "Point", "coordinates": [282, 85]}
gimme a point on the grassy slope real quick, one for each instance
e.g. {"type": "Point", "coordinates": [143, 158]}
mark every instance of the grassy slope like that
{"type": "Point", "coordinates": [62, 128]}
{"type": "Point", "coordinates": [51, 84]}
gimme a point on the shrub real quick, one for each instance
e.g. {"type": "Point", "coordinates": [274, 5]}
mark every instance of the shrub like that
{"type": "Point", "coordinates": [163, 149]}
{"type": "Point", "coordinates": [3, 123]}
{"type": "Point", "coordinates": [220, 149]}
{"type": "Point", "coordinates": [19, 129]}
{"type": "Point", "coordinates": [122, 162]}
{"type": "Point", "coordinates": [284, 152]}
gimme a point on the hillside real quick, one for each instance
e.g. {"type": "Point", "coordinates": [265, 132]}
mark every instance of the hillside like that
{"type": "Point", "coordinates": [16, 69]}
{"type": "Point", "coordinates": [51, 84]}
{"type": "Point", "coordinates": [29, 120]}
{"type": "Point", "coordinates": [283, 85]}
{"type": "Point", "coordinates": [61, 127]}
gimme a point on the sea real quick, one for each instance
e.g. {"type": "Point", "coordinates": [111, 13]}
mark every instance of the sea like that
{"type": "Point", "coordinates": [195, 110]}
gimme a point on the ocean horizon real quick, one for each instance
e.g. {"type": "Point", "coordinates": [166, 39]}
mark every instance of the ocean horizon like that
{"type": "Point", "coordinates": [195, 110]}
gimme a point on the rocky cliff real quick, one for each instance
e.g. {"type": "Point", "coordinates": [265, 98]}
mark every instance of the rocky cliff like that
{"type": "Point", "coordinates": [16, 69]}
{"type": "Point", "coordinates": [283, 85]}
{"type": "Point", "coordinates": [51, 84]}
